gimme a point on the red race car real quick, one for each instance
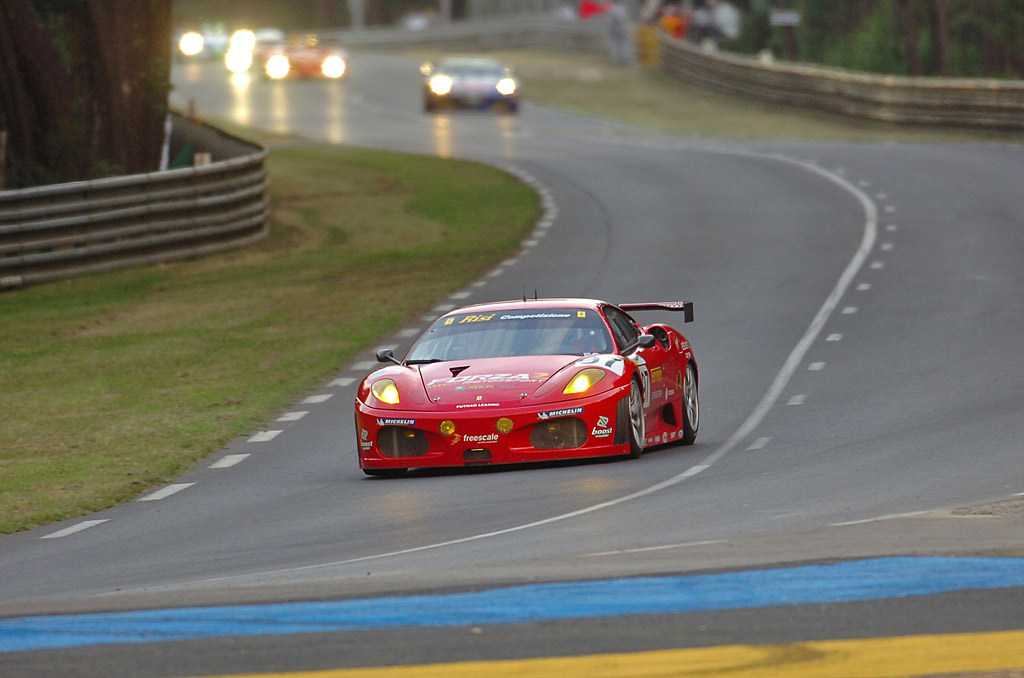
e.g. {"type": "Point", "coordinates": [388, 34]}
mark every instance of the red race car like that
{"type": "Point", "coordinates": [303, 57]}
{"type": "Point", "coordinates": [524, 381]}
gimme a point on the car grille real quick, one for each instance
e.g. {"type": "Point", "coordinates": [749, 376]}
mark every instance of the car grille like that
{"type": "Point", "coordinates": [400, 441]}
{"type": "Point", "coordinates": [559, 434]}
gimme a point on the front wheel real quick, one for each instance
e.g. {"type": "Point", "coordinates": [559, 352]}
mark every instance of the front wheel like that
{"type": "Point", "coordinates": [691, 405]}
{"type": "Point", "coordinates": [637, 426]}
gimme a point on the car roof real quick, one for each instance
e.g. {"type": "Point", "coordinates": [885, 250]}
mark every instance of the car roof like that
{"type": "Point", "coordinates": [528, 304]}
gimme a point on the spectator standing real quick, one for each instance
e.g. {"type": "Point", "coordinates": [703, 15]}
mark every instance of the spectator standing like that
{"type": "Point", "coordinates": [618, 33]}
{"type": "Point", "coordinates": [700, 24]}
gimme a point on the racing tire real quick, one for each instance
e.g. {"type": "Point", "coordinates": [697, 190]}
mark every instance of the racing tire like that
{"type": "Point", "coordinates": [691, 405]}
{"type": "Point", "coordinates": [385, 472]}
{"type": "Point", "coordinates": [637, 425]}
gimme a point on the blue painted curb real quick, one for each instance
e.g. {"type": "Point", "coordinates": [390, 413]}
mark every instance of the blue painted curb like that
{"type": "Point", "coordinates": [809, 584]}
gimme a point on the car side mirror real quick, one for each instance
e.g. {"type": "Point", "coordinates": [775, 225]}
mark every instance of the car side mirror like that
{"type": "Point", "coordinates": [643, 341]}
{"type": "Point", "coordinates": [386, 355]}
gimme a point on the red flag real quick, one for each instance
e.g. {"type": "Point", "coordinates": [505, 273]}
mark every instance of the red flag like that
{"type": "Point", "coordinates": [589, 8]}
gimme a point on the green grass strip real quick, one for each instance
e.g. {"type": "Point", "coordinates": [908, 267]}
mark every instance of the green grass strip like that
{"type": "Point", "coordinates": [113, 383]}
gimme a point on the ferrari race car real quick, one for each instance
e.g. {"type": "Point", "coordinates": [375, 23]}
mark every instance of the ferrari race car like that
{"type": "Point", "coordinates": [524, 381]}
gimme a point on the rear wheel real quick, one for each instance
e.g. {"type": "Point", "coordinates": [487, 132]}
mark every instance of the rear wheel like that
{"type": "Point", "coordinates": [637, 426]}
{"type": "Point", "coordinates": [691, 405]}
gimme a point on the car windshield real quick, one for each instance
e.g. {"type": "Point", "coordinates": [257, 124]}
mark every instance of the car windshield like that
{"type": "Point", "coordinates": [563, 331]}
{"type": "Point", "coordinates": [474, 68]}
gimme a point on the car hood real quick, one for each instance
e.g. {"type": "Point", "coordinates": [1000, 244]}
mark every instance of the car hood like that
{"type": "Point", "coordinates": [489, 382]}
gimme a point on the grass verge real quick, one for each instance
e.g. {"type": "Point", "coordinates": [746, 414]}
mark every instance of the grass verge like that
{"type": "Point", "coordinates": [114, 383]}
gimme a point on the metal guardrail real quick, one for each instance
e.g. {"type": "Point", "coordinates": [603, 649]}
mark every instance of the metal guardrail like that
{"type": "Point", "coordinates": [951, 102]}
{"type": "Point", "coordinates": [63, 230]}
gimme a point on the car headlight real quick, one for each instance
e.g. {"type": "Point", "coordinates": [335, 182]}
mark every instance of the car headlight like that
{"type": "Point", "coordinates": [506, 86]}
{"type": "Point", "coordinates": [584, 381]}
{"type": "Point", "coordinates": [238, 60]}
{"type": "Point", "coordinates": [278, 66]}
{"type": "Point", "coordinates": [191, 43]}
{"type": "Point", "coordinates": [385, 390]}
{"type": "Point", "coordinates": [333, 67]}
{"type": "Point", "coordinates": [440, 84]}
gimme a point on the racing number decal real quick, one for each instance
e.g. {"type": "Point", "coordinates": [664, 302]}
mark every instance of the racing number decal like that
{"type": "Point", "coordinates": [645, 377]}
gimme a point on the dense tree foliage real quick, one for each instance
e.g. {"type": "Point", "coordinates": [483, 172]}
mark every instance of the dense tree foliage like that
{"type": "Point", "coordinates": [967, 38]}
{"type": "Point", "coordinates": [83, 87]}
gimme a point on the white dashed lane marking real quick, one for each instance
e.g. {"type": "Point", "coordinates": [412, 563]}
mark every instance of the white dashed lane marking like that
{"type": "Point", "coordinates": [229, 460]}
{"type": "Point", "coordinates": [84, 525]}
{"type": "Point", "coordinates": [317, 399]}
{"type": "Point", "coordinates": [264, 436]}
{"type": "Point", "coordinates": [834, 337]}
{"type": "Point", "coordinates": [165, 492]}
{"type": "Point", "coordinates": [816, 367]}
{"type": "Point", "coordinates": [797, 400]}
{"type": "Point", "coordinates": [342, 382]}
{"type": "Point", "coordinates": [292, 416]}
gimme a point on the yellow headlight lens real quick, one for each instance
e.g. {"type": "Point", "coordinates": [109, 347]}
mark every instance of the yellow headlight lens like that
{"type": "Point", "coordinates": [583, 381]}
{"type": "Point", "coordinates": [441, 84]}
{"type": "Point", "coordinates": [385, 391]}
{"type": "Point", "coordinates": [447, 427]}
{"type": "Point", "coordinates": [506, 86]}
{"type": "Point", "coordinates": [504, 425]}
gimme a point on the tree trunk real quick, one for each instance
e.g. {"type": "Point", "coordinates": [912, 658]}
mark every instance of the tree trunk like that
{"type": "Point", "coordinates": [35, 100]}
{"type": "Point", "coordinates": [940, 36]}
{"type": "Point", "coordinates": [908, 23]}
{"type": "Point", "coordinates": [129, 75]}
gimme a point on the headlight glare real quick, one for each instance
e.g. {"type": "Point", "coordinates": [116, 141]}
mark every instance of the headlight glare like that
{"type": "Point", "coordinates": [441, 84]}
{"type": "Point", "coordinates": [506, 86]}
{"type": "Point", "coordinates": [333, 67]}
{"type": "Point", "coordinates": [278, 66]}
{"type": "Point", "coordinates": [584, 381]}
{"type": "Point", "coordinates": [385, 391]}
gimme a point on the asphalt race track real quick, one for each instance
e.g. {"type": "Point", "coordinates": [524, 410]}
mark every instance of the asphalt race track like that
{"type": "Point", "coordinates": [858, 327]}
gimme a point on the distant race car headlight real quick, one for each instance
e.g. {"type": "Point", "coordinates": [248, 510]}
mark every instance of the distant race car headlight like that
{"type": "Point", "coordinates": [584, 381]}
{"type": "Point", "coordinates": [243, 39]}
{"type": "Point", "coordinates": [506, 86]}
{"type": "Point", "coordinates": [191, 44]}
{"type": "Point", "coordinates": [440, 84]}
{"type": "Point", "coordinates": [447, 427]}
{"type": "Point", "coordinates": [385, 391]}
{"type": "Point", "coordinates": [278, 66]}
{"type": "Point", "coordinates": [238, 60]}
{"type": "Point", "coordinates": [333, 67]}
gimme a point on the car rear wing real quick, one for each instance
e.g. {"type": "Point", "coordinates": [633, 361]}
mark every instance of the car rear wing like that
{"type": "Point", "coordinates": [685, 306]}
